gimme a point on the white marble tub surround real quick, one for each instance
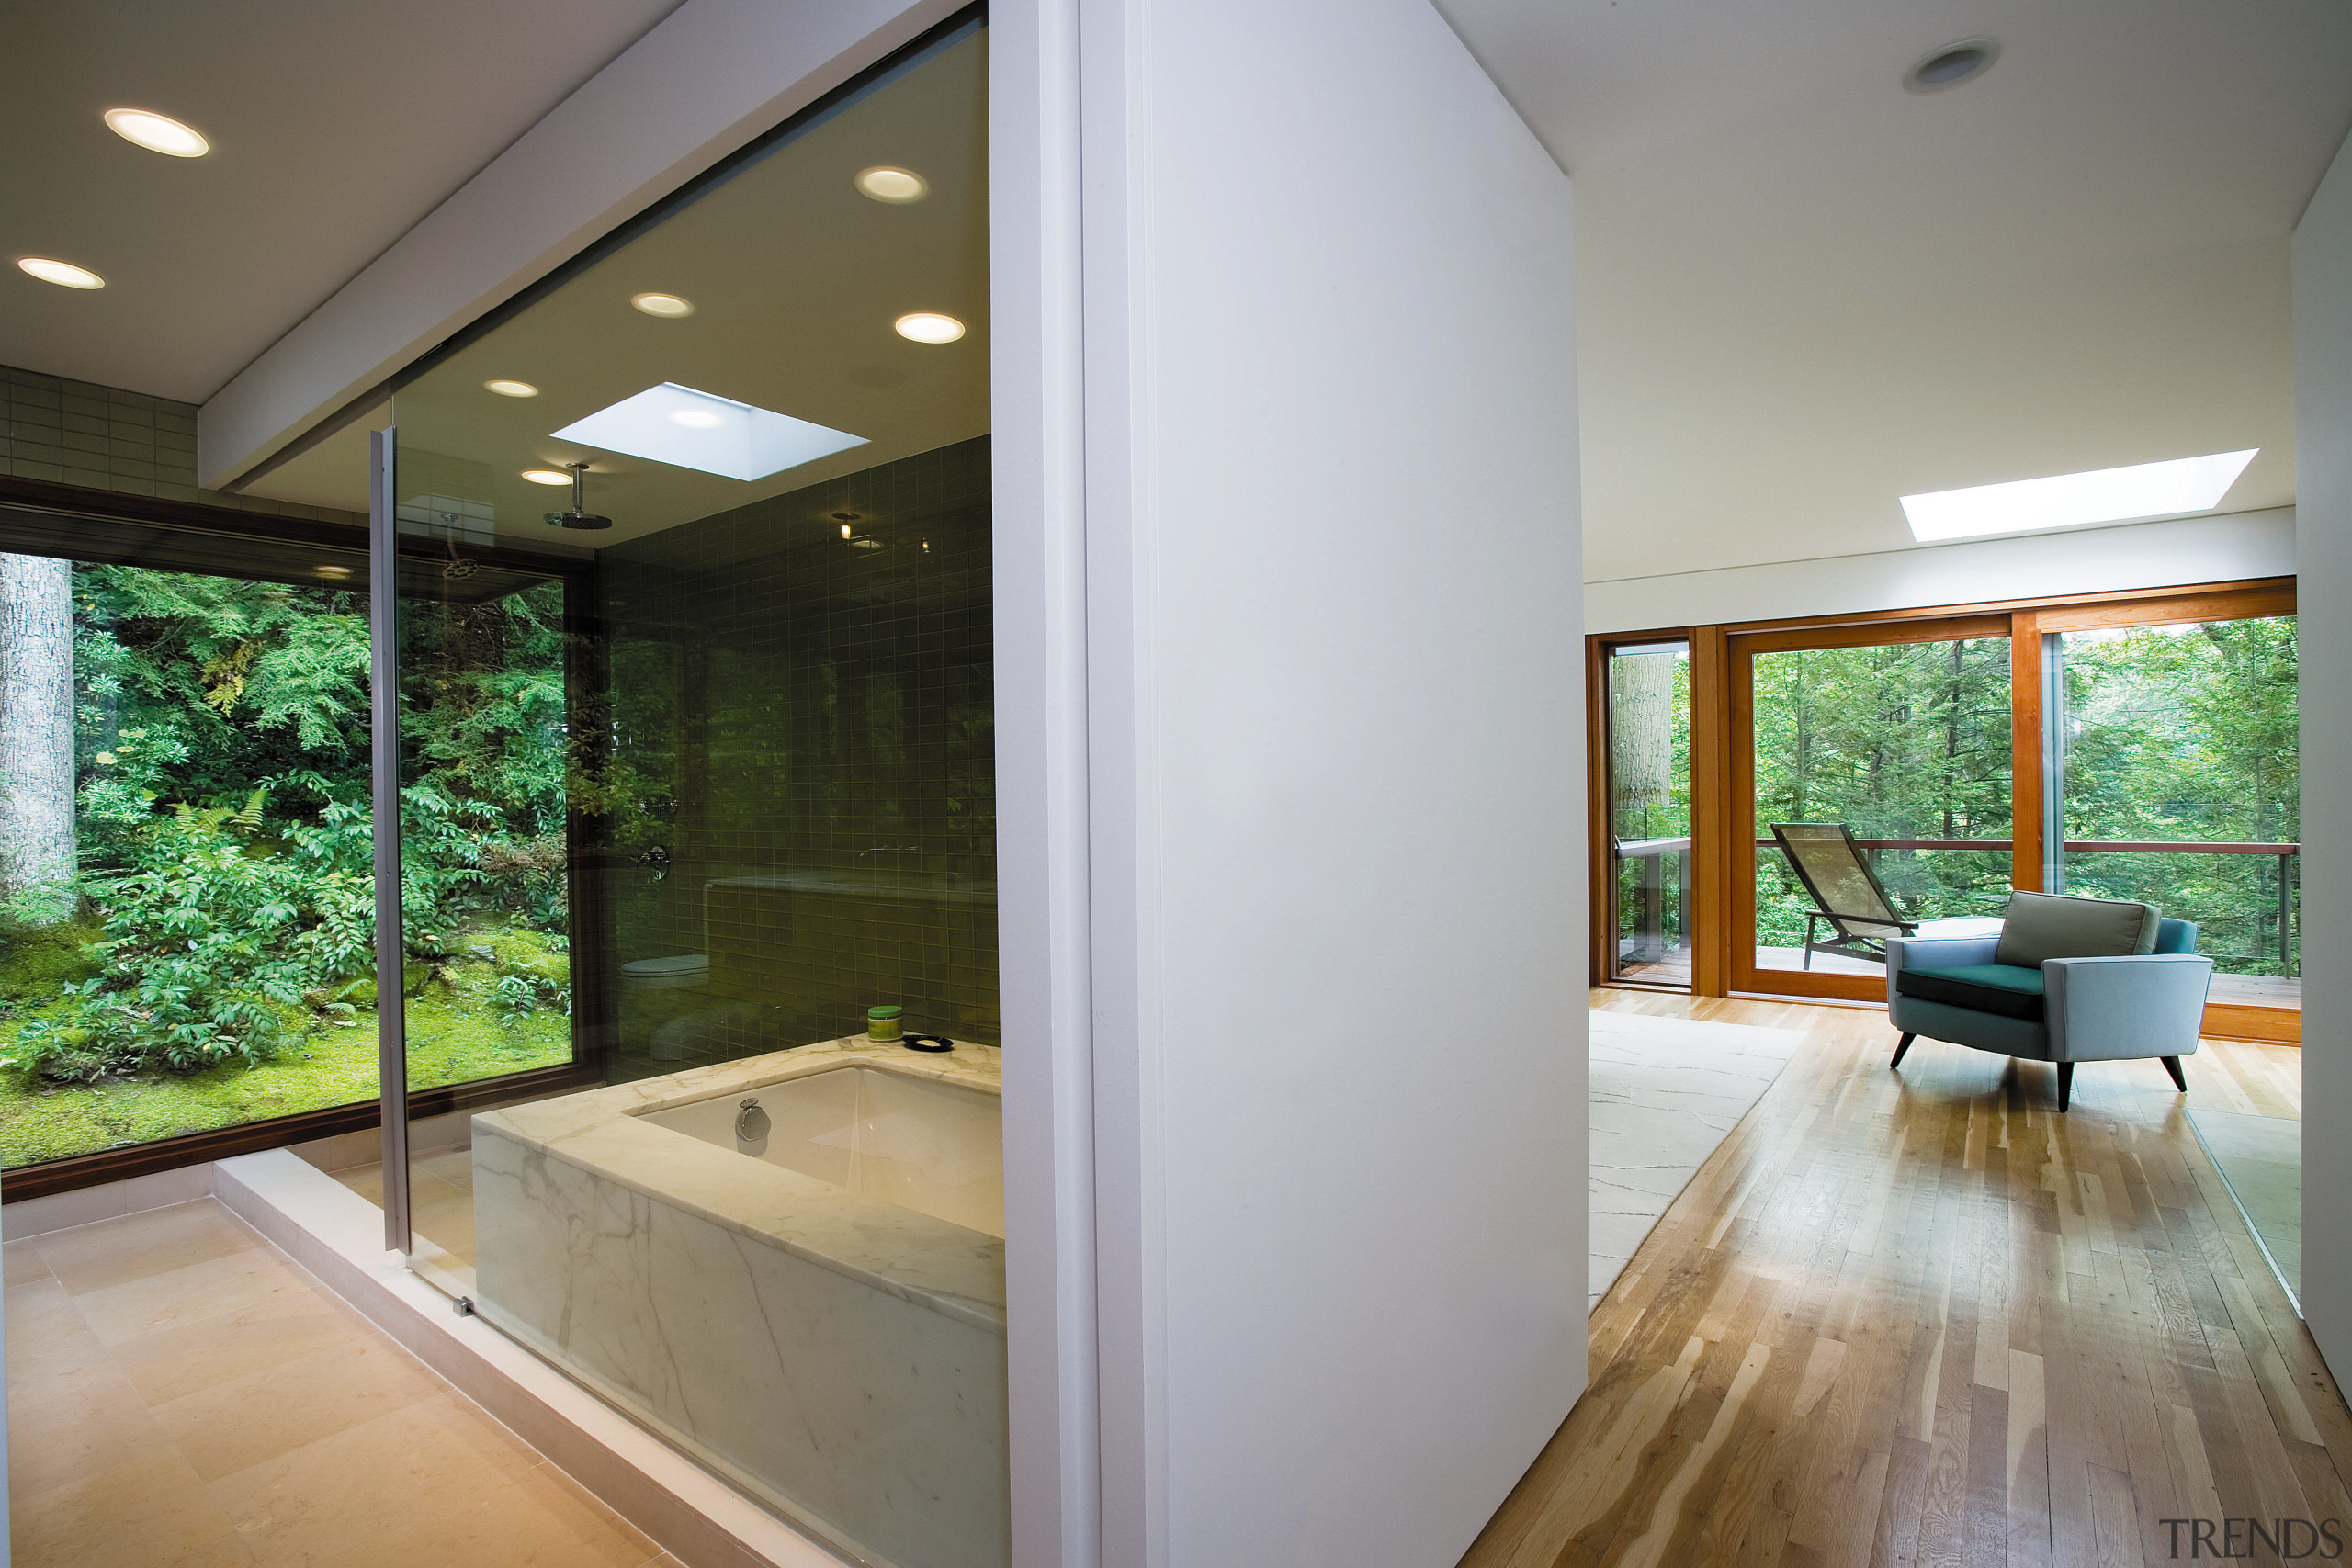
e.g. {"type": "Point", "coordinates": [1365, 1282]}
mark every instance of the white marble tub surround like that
{"type": "Point", "coordinates": [925, 1145]}
{"type": "Point", "coordinates": [1665, 1094]}
{"type": "Point", "coordinates": [837, 1354]}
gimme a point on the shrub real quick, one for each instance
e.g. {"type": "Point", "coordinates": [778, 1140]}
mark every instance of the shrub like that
{"type": "Point", "coordinates": [212, 936]}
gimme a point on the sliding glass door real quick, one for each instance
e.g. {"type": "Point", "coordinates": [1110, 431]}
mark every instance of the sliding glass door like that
{"type": "Point", "coordinates": [2176, 747]}
{"type": "Point", "coordinates": [1877, 790]}
{"type": "Point", "coordinates": [1646, 717]}
{"type": "Point", "coordinates": [1910, 772]}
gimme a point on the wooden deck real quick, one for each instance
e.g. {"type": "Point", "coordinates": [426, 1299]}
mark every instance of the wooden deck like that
{"type": "Point", "coordinates": [1674, 969]}
{"type": "Point", "coordinates": [1919, 1317]}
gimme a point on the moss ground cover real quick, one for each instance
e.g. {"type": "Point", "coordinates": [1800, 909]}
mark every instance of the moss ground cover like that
{"type": "Point", "coordinates": [461, 1027]}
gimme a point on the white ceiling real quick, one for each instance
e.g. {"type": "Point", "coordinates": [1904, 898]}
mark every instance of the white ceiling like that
{"type": "Point", "coordinates": [796, 279]}
{"type": "Point", "coordinates": [334, 128]}
{"type": "Point", "coordinates": [1803, 292]}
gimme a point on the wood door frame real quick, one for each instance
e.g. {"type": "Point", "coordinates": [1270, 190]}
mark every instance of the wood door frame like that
{"type": "Point", "coordinates": [1740, 850]}
{"type": "Point", "coordinates": [1601, 837]}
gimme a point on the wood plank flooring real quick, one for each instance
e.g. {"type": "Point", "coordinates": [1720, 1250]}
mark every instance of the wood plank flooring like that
{"type": "Point", "coordinates": [1920, 1318]}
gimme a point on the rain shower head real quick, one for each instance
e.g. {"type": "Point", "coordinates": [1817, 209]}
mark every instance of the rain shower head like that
{"type": "Point", "coordinates": [579, 516]}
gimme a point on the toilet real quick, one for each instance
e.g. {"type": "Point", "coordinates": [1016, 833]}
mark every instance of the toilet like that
{"type": "Point", "coordinates": [685, 972]}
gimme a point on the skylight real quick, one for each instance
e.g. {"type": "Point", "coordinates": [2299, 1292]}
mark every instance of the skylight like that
{"type": "Point", "coordinates": [2070, 500]}
{"type": "Point", "coordinates": [687, 429]}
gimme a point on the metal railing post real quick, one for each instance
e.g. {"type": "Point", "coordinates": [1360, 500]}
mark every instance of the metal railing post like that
{"type": "Point", "coordinates": [2286, 921]}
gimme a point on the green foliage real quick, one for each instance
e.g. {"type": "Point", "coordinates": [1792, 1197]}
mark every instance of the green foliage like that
{"type": "Point", "coordinates": [2188, 733]}
{"type": "Point", "coordinates": [2170, 733]}
{"type": "Point", "coordinates": [454, 1038]}
{"type": "Point", "coordinates": [212, 936]}
{"type": "Point", "coordinates": [1907, 740]}
{"type": "Point", "coordinates": [227, 846]}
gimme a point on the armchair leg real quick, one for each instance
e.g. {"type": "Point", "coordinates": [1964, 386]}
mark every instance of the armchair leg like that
{"type": "Point", "coordinates": [1900, 1046]}
{"type": "Point", "coordinates": [2171, 1065]}
{"type": "Point", "coordinates": [2065, 1084]}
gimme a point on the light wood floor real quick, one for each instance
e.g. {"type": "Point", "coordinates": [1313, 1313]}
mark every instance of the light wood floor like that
{"type": "Point", "coordinates": [1921, 1318]}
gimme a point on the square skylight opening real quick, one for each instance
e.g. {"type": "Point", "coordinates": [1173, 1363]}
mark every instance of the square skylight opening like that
{"type": "Point", "coordinates": [2072, 501]}
{"type": "Point", "coordinates": [687, 429]}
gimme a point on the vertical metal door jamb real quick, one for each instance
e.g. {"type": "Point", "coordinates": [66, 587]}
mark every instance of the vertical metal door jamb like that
{"type": "Point", "coordinates": [384, 773]}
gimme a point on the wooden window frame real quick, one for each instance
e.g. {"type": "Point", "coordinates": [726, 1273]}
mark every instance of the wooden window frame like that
{"type": "Point", "coordinates": [1720, 922]}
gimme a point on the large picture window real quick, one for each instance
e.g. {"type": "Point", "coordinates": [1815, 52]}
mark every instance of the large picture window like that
{"type": "Point", "coordinates": [1846, 779]}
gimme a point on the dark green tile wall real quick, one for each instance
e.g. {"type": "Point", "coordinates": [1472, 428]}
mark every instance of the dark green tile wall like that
{"type": "Point", "coordinates": [77, 432]}
{"type": "Point", "coordinates": [805, 724]}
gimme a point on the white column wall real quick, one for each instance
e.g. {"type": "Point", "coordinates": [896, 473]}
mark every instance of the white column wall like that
{"type": "Point", "coordinates": [2323, 262]}
{"type": "Point", "coordinates": [1334, 812]}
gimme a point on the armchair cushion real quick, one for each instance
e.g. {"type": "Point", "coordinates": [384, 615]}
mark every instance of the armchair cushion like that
{"type": "Point", "coordinates": [2040, 926]}
{"type": "Point", "coordinates": [2004, 989]}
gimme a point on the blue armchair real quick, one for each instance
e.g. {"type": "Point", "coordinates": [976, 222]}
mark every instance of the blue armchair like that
{"type": "Point", "coordinates": [2063, 1010]}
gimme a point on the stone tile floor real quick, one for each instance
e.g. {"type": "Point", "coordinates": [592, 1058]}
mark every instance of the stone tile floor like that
{"type": "Point", "coordinates": [182, 1392]}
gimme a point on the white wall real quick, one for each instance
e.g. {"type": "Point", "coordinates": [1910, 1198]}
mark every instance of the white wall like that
{"type": "Point", "coordinates": [713, 75]}
{"type": "Point", "coordinates": [1333, 810]}
{"type": "Point", "coordinates": [2090, 560]}
{"type": "Point", "coordinates": [2323, 600]}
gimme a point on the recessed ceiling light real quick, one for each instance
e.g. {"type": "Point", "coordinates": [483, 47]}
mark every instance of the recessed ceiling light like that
{"type": "Point", "coordinates": [1951, 65]}
{"type": "Point", "coordinates": [66, 275]}
{"type": "Point", "coordinates": [928, 326]}
{"type": "Point", "coordinates": [898, 186]}
{"type": "Point", "coordinates": [546, 476]}
{"type": "Point", "coordinates": [513, 388]}
{"type": "Point", "coordinates": [333, 571]}
{"type": "Point", "coordinates": [668, 305]}
{"type": "Point", "coordinates": [741, 441]}
{"type": "Point", "coordinates": [157, 133]}
{"type": "Point", "coordinates": [2070, 500]}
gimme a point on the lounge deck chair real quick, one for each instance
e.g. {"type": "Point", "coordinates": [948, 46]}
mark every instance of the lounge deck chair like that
{"type": "Point", "coordinates": [1845, 892]}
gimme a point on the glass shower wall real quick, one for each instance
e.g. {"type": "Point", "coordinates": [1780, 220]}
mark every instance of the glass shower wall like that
{"type": "Point", "coordinates": [800, 708]}
{"type": "Point", "coordinates": [694, 682]}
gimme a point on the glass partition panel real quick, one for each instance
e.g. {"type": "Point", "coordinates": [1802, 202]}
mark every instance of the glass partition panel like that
{"type": "Point", "coordinates": [2179, 776]}
{"type": "Point", "coordinates": [1649, 811]}
{"type": "Point", "coordinates": [1897, 757]}
{"type": "Point", "coordinates": [697, 826]}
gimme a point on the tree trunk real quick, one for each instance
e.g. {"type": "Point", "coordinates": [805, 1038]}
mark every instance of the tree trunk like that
{"type": "Point", "coordinates": [36, 733]}
{"type": "Point", "coordinates": [1641, 734]}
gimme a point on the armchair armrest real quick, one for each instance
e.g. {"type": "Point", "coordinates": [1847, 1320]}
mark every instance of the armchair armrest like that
{"type": "Point", "coordinates": [2149, 1004]}
{"type": "Point", "coordinates": [1935, 953]}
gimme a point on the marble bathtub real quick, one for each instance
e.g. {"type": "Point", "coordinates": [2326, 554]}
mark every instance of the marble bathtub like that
{"type": "Point", "coordinates": [779, 1305]}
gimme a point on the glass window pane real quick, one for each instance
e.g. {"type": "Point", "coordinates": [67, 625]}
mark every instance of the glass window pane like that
{"type": "Point", "coordinates": [1906, 744]}
{"type": "Point", "coordinates": [2188, 734]}
{"type": "Point", "coordinates": [184, 917]}
{"type": "Point", "coordinates": [1649, 810]}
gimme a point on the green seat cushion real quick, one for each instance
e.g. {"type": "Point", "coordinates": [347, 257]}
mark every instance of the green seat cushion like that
{"type": "Point", "coordinates": [2004, 989]}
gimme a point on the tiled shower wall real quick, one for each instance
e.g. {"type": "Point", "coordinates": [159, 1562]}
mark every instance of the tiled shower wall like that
{"type": "Point", "coordinates": [77, 432]}
{"type": "Point", "coordinates": [805, 724]}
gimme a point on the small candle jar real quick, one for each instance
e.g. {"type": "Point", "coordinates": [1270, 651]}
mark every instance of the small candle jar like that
{"type": "Point", "coordinates": [884, 1023]}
